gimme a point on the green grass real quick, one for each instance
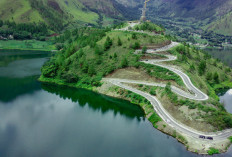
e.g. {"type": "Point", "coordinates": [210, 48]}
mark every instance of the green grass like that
{"type": "Point", "coordinates": [27, 45]}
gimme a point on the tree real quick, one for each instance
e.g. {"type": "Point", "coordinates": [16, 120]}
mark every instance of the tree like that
{"type": "Point", "coordinates": [134, 36]}
{"type": "Point", "coordinates": [192, 67]}
{"type": "Point", "coordinates": [115, 55]}
{"type": "Point", "coordinates": [144, 50]}
{"type": "Point", "coordinates": [216, 77]}
{"type": "Point", "coordinates": [202, 67]}
{"type": "Point", "coordinates": [85, 68]}
{"type": "Point", "coordinates": [97, 50]}
{"type": "Point", "coordinates": [209, 76]}
{"type": "Point", "coordinates": [136, 45]}
{"type": "Point", "coordinates": [108, 43]}
{"type": "Point", "coordinates": [1, 23]}
{"type": "Point", "coordinates": [91, 70]}
{"type": "Point", "coordinates": [124, 63]}
{"type": "Point", "coordinates": [119, 42]}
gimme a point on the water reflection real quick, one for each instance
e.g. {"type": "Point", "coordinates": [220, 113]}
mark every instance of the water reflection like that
{"type": "Point", "coordinates": [19, 71]}
{"type": "Point", "coordinates": [96, 101]}
{"type": "Point", "coordinates": [43, 124]}
{"type": "Point", "coordinates": [227, 100]}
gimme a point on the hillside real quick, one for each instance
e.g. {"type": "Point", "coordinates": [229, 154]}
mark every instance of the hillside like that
{"type": "Point", "coordinates": [223, 25]}
{"type": "Point", "coordinates": [96, 53]}
{"type": "Point", "coordinates": [59, 13]}
{"type": "Point", "coordinates": [111, 61]}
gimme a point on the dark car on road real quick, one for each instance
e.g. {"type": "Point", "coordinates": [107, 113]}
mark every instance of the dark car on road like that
{"type": "Point", "coordinates": [201, 136]}
{"type": "Point", "coordinates": [210, 138]}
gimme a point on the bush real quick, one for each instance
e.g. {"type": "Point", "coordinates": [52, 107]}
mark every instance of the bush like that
{"type": "Point", "coordinates": [153, 92]}
{"type": "Point", "coordinates": [154, 118]}
{"type": "Point", "coordinates": [213, 151]}
{"type": "Point", "coordinates": [144, 50]}
{"type": "Point", "coordinates": [136, 45]}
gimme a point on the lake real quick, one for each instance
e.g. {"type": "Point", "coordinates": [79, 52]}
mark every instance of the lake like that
{"type": "Point", "coordinates": [41, 120]}
{"type": "Point", "coordinates": [225, 55]}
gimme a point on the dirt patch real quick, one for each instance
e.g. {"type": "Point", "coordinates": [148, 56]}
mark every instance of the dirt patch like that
{"type": "Point", "coordinates": [152, 56]}
{"type": "Point", "coordinates": [132, 73]}
{"type": "Point", "coordinates": [157, 46]}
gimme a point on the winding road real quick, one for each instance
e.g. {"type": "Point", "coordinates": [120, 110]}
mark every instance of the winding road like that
{"type": "Point", "coordinates": [158, 107]}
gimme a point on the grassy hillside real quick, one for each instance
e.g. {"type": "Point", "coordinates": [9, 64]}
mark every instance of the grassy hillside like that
{"type": "Point", "coordinates": [19, 11]}
{"type": "Point", "coordinates": [59, 13]}
{"type": "Point", "coordinates": [89, 54]}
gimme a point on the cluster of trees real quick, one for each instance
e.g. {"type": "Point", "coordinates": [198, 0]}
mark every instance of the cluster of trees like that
{"type": "Point", "coordinates": [70, 63]}
{"type": "Point", "coordinates": [23, 30]}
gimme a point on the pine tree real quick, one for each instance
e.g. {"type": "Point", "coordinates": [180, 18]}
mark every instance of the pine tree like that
{"type": "Point", "coordinates": [119, 42]}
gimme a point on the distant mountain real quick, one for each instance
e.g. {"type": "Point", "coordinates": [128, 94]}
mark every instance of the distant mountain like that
{"type": "Point", "coordinates": [59, 13]}
{"type": "Point", "coordinates": [212, 15]}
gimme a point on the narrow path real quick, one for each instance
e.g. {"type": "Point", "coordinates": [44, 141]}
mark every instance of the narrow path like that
{"type": "Point", "coordinates": [198, 95]}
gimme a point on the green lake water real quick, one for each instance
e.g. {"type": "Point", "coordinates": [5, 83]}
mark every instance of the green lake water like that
{"type": "Point", "coordinates": [41, 120]}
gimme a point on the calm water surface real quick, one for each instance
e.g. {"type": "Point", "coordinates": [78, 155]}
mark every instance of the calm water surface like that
{"type": "Point", "coordinates": [39, 120]}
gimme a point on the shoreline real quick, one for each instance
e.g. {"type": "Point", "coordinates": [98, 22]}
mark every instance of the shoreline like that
{"type": "Point", "coordinates": [191, 144]}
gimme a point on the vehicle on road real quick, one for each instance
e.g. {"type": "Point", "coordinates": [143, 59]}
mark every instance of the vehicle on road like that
{"type": "Point", "coordinates": [209, 138]}
{"type": "Point", "coordinates": [201, 136]}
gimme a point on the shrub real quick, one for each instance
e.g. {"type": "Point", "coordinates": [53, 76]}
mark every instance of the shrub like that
{"type": "Point", "coordinates": [153, 92]}
{"type": "Point", "coordinates": [136, 45]}
{"type": "Point", "coordinates": [154, 118]}
{"type": "Point", "coordinates": [144, 50]}
{"type": "Point", "coordinates": [213, 151]}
